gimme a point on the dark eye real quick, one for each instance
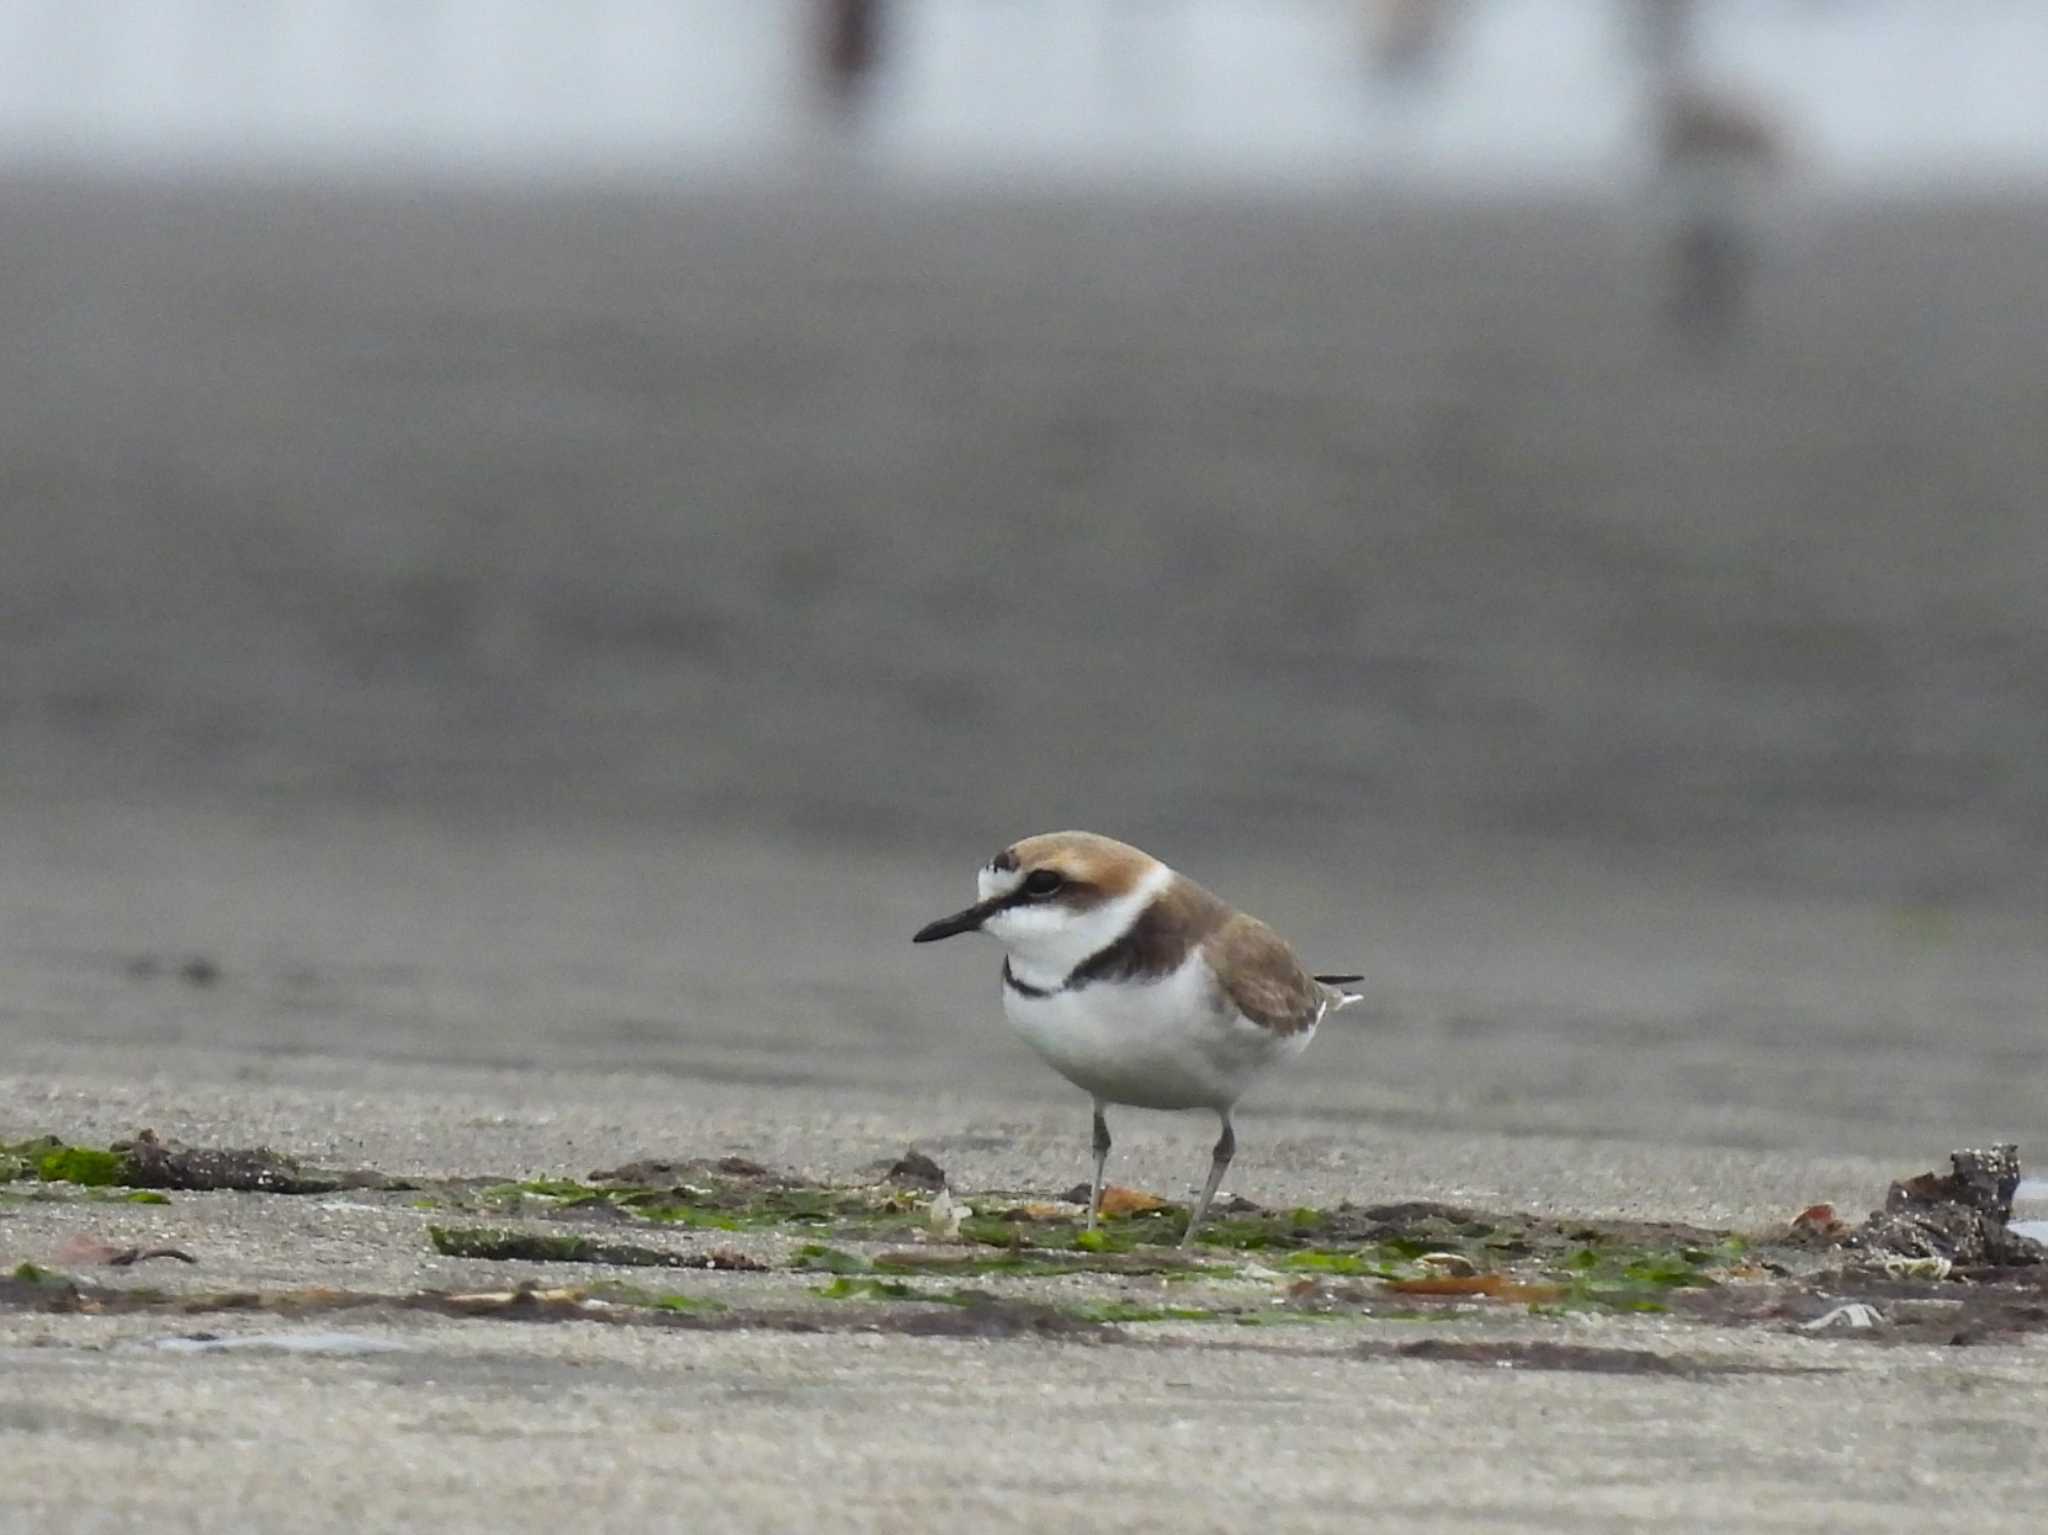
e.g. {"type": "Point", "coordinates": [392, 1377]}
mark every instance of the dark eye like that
{"type": "Point", "coordinates": [1044, 882]}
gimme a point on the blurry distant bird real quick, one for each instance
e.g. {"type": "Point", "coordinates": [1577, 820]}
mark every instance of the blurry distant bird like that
{"type": "Point", "coordinates": [1716, 155]}
{"type": "Point", "coordinates": [1406, 37]}
{"type": "Point", "coordinates": [849, 41]}
{"type": "Point", "coordinates": [1697, 125]}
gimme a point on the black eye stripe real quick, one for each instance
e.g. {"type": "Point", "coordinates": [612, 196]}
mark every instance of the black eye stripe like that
{"type": "Point", "coordinates": [1022, 893]}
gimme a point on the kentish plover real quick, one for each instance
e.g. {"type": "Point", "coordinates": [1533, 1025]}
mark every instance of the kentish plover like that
{"type": "Point", "coordinates": [1139, 986]}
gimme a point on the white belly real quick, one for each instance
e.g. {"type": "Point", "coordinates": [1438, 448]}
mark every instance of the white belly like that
{"type": "Point", "coordinates": [1170, 1044]}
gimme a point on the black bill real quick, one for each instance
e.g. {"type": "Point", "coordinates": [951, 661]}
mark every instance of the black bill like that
{"type": "Point", "coordinates": [960, 922]}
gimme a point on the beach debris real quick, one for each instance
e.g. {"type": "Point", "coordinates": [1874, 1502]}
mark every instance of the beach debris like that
{"type": "Point", "coordinates": [499, 1245]}
{"type": "Point", "coordinates": [1898, 1267]}
{"type": "Point", "coordinates": [1487, 1286]}
{"type": "Point", "coordinates": [85, 1249]}
{"type": "Point", "coordinates": [1962, 1216]}
{"type": "Point", "coordinates": [647, 1172]}
{"type": "Point", "coordinates": [1316, 1296]}
{"type": "Point", "coordinates": [1855, 1315]}
{"type": "Point", "coordinates": [1455, 1264]}
{"type": "Point", "coordinates": [1042, 1210]}
{"type": "Point", "coordinates": [732, 1260]}
{"type": "Point", "coordinates": [917, 1168]}
{"type": "Point", "coordinates": [942, 1217]}
{"type": "Point", "coordinates": [1119, 1201]}
{"type": "Point", "coordinates": [662, 1172]}
{"type": "Point", "coordinates": [150, 1163]}
{"type": "Point", "coordinates": [656, 1172]}
{"type": "Point", "coordinates": [147, 1163]}
{"type": "Point", "coordinates": [1820, 1224]}
{"type": "Point", "coordinates": [829, 1260]}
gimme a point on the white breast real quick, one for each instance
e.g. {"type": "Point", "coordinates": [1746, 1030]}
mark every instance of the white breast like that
{"type": "Point", "coordinates": [1173, 1043]}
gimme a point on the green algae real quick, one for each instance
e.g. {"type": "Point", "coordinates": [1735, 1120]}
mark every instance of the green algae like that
{"type": "Point", "coordinates": [1400, 1249]}
{"type": "Point", "coordinates": [639, 1297]}
{"type": "Point", "coordinates": [1244, 1235]}
{"type": "Point", "coordinates": [990, 1232]}
{"type": "Point", "coordinates": [829, 1260]}
{"type": "Point", "coordinates": [1612, 1266]}
{"type": "Point", "coordinates": [870, 1213]}
{"type": "Point", "coordinates": [568, 1190]}
{"type": "Point", "coordinates": [851, 1287]}
{"type": "Point", "coordinates": [86, 1166]}
{"type": "Point", "coordinates": [1126, 1311]}
{"type": "Point", "coordinates": [1599, 1269]}
{"type": "Point", "coordinates": [1316, 1260]}
{"type": "Point", "coordinates": [496, 1244]}
{"type": "Point", "coordinates": [1255, 1231]}
{"type": "Point", "coordinates": [507, 1246]}
{"type": "Point", "coordinates": [144, 1162]}
{"type": "Point", "coordinates": [64, 1191]}
{"type": "Point", "coordinates": [47, 1159]}
{"type": "Point", "coordinates": [1615, 1277]}
{"type": "Point", "coordinates": [691, 1305]}
{"type": "Point", "coordinates": [549, 1193]}
{"type": "Point", "coordinates": [21, 1160]}
{"type": "Point", "coordinates": [697, 1218]}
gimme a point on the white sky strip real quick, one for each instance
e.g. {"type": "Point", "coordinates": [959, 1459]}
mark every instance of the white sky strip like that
{"type": "Point", "coordinates": [1528, 91]}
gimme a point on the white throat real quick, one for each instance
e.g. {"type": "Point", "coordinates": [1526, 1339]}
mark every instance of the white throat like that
{"type": "Point", "coordinates": [1047, 941]}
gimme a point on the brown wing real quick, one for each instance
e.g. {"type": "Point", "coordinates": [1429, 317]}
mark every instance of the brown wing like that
{"type": "Point", "coordinates": [1262, 977]}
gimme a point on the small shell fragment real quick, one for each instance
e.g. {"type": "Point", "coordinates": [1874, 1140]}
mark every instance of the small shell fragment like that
{"type": "Point", "coordinates": [944, 1215]}
{"type": "Point", "coordinates": [1447, 1263]}
{"type": "Point", "coordinates": [1854, 1314]}
{"type": "Point", "coordinates": [1934, 1266]}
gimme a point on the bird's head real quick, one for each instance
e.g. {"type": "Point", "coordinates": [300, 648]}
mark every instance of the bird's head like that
{"type": "Point", "coordinates": [1054, 900]}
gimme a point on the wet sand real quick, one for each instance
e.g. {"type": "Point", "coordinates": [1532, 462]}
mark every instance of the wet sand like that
{"type": "Point", "coordinates": [550, 653]}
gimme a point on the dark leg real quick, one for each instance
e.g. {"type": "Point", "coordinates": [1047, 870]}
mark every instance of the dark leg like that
{"type": "Point", "coordinates": [1101, 1157]}
{"type": "Point", "coordinates": [1219, 1160]}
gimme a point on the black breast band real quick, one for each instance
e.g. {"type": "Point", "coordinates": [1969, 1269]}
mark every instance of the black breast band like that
{"type": "Point", "coordinates": [1022, 988]}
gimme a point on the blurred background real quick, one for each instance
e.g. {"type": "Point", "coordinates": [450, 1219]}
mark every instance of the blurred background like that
{"type": "Point", "coordinates": [554, 536]}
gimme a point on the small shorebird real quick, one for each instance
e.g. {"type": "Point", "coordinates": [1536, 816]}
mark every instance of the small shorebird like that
{"type": "Point", "coordinates": [1139, 986]}
{"type": "Point", "coordinates": [1717, 158]}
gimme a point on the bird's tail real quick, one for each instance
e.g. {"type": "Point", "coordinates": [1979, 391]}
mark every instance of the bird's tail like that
{"type": "Point", "coordinates": [1334, 986]}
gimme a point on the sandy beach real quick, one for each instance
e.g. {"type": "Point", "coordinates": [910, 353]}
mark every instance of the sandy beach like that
{"type": "Point", "coordinates": [545, 654]}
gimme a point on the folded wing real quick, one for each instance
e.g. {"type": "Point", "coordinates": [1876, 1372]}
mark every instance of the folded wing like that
{"type": "Point", "coordinates": [1263, 979]}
